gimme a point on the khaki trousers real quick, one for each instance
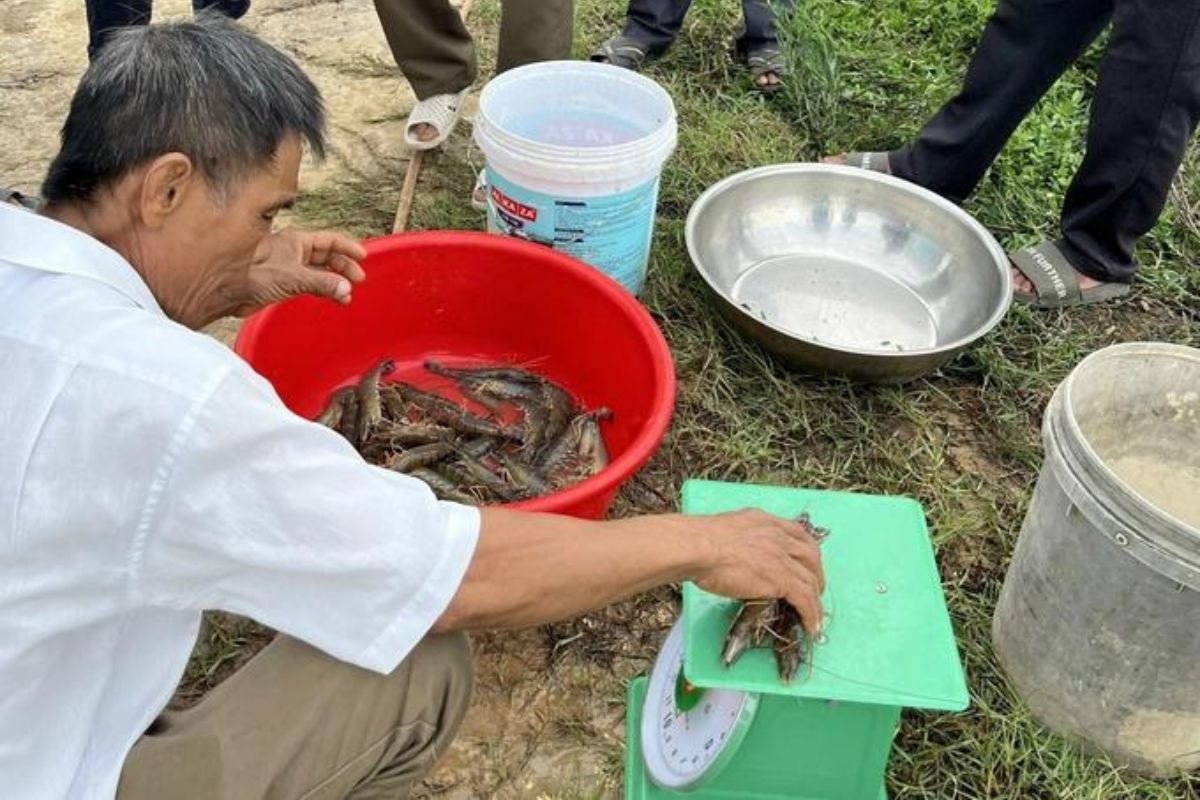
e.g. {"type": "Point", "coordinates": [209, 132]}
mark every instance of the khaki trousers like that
{"type": "Point", "coordinates": [433, 49]}
{"type": "Point", "coordinates": [296, 723]}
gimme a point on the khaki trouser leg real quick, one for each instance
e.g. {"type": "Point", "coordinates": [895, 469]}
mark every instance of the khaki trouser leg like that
{"type": "Point", "coordinates": [534, 30]}
{"type": "Point", "coordinates": [430, 45]}
{"type": "Point", "coordinates": [296, 723]}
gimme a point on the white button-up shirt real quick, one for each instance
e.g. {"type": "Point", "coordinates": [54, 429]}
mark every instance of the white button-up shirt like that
{"type": "Point", "coordinates": [147, 474]}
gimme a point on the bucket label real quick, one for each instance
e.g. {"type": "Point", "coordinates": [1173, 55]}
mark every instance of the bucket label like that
{"type": "Point", "coordinates": [511, 208]}
{"type": "Point", "coordinates": [610, 232]}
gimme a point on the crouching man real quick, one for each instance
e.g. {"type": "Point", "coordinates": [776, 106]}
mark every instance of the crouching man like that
{"type": "Point", "coordinates": [148, 474]}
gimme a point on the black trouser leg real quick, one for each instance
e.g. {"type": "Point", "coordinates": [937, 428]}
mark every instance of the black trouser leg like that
{"type": "Point", "coordinates": [760, 23]}
{"type": "Point", "coordinates": [106, 16]}
{"type": "Point", "coordinates": [234, 9]}
{"type": "Point", "coordinates": [1145, 109]}
{"type": "Point", "coordinates": [655, 23]}
{"type": "Point", "coordinates": [1026, 45]}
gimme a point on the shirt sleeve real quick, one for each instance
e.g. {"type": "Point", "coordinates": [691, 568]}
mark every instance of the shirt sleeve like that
{"type": "Point", "coordinates": [261, 513]}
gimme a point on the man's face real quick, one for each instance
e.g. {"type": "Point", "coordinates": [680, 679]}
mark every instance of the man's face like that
{"type": "Point", "coordinates": [212, 237]}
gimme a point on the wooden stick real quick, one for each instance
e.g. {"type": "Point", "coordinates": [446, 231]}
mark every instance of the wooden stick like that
{"type": "Point", "coordinates": [409, 188]}
{"type": "Point", "coordinates": [408, 191]}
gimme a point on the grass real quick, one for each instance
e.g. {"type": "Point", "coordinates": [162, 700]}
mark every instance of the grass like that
{"type": "Point", "coordinates": [964, 442]}
{"type": "Point", "coordinates": [816, 91]}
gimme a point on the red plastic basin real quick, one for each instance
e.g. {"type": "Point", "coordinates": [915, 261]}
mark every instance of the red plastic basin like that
{"type": "Point", "coordinates": [462, 296]}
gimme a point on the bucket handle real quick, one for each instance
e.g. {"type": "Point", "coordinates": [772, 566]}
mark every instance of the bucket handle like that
{"type": "Point", "coordinates": [480, 190]}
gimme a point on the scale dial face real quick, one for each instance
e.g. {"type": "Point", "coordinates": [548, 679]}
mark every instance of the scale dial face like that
{"type": "Point", "coordinates": [689, 733]}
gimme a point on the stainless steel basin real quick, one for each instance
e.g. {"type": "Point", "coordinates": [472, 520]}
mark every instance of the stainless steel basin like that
{"type": "Point", "coordinates": [843, 271]}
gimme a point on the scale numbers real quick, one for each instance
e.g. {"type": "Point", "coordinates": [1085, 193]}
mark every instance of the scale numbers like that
{"type": "Point", "coordinates": [683, 741]}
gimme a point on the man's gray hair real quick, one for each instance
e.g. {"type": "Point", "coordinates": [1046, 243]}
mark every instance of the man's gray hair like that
{"type": "Point", "coordinates": [206, 88]}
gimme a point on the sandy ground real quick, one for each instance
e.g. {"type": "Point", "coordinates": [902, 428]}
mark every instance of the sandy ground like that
{"type": "Point", "coordinates": [544, 724]}
{"type": "Point", "coordinates": [339, 43]}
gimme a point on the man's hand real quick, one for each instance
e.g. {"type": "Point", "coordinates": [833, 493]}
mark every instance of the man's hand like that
{"type": "Point", "coordinates": [292, 262]}
{"type": "Point", "coordinates": [752, 555]}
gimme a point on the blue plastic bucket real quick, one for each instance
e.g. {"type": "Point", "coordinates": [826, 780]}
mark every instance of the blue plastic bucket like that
{"type": "Point", "coordinates": [574, 152]}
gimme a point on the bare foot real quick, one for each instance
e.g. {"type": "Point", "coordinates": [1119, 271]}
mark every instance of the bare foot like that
{"type": "Point", "coordinates": [424, 132]}
{"type": "Point", "coordinates": [1025, 286]}
{"type": "Point", "coordinates": [768, 79]}
{"type": "Point", "coordinates": [838, 159]}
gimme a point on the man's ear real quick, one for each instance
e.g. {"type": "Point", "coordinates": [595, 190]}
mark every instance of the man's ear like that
{"type": "Point", "coordinates": [164, 184]}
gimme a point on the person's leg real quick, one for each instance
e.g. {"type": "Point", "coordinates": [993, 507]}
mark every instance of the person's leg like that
{"type": "Point", "coordinates": [430, 44]}
{"type": "Point", "coordinates": [534, 30]}
{"type": "Point", "coordinates": [655, 23]}
{"type": "Point", "coordinates": [759, 27]}
{"type": "Point", "coordinates": [759, 35]}
{"type": "Point", "coordinates": [1026, 45]}
{"type": "Point", "coordinates": [1144, 112]}
{"type": "Point", "coordinates": [433, 48]}
{"type": "Point", "coordinates": [234, 9]}
{"type": "Point", "coordinates": [296, 723]}
{"type": "Point", "coordinates": [106, 16]}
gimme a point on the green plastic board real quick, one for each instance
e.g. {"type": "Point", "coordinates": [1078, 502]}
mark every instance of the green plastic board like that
{"type": "Point", "coordinates": [887, 635]}
{"type": "Point", "coordinates": [797, 749]}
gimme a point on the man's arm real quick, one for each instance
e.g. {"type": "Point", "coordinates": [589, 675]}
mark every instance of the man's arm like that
{"type": "Point", "coordinates": [530, 569]}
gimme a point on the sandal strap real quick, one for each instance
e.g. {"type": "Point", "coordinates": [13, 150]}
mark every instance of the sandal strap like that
{"type": "Point", "coordinates": [873, 162]}
{"type": "Point", "coordinates": [1055, 282]}
{"type": "Point", "coordinates": [767, 58]}
{"type": "Point", "coordinates": [622, 51]}
{"type": "Point", "coordinates": [440, 111]}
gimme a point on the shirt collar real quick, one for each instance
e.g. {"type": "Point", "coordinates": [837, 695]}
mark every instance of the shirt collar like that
{"type": "Point", "coordinates": [35, 242]}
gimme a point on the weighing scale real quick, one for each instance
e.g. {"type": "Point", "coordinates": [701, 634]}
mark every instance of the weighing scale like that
{"type": "Point", "coordinates": [698, 728]}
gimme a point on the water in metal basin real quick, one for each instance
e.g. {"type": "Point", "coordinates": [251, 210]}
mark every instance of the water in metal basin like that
{"type": "Point", "coordinates": [836, 302]}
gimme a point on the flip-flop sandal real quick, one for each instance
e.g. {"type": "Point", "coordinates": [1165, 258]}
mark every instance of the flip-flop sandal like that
{"type": "Point", "coordinates": [763, 60]}
{"type": "Point", "coordinates": [1055, 282]}
{"type": "Point", "coordinates": [873, 162]}
{"type": "Point", "coordinates": [442, 112]}
{"type": "Point", "coordinates": [15, 198]}
{"type": "Point", "coordinates": [622, 51]}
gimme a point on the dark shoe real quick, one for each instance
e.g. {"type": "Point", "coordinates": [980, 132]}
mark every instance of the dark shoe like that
{"type": "Point", "coordinates": [1055, 281]}
{"type": "Point", "coordinates": [622, 51]}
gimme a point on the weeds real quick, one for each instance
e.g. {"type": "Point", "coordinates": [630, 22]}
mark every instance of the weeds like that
{"type": "Point", "coordinates": [815, 88]}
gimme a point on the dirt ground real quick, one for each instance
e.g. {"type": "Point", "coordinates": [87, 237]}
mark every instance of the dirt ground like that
{"type": "Point", "coordinates": [544, 722]}
{"type": "Point", "coordinates": [338, 42]}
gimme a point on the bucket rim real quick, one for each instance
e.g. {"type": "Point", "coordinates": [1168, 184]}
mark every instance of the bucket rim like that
{"type": "Point", "coordinates": [666, 129]}
{"type": "Point", "coordinates": [1080, 441]}
{"type": "Point", "coordinates": [660, 143]}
